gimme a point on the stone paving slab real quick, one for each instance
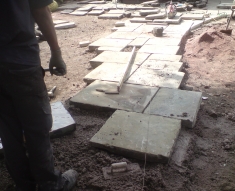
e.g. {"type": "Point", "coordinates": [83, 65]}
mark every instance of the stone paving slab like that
{"type": "Point", "coordinates": [167, 57]}
{"type": "Point", "coordinates": [131, 98]}
{"type": "Point", "coordinates": [192, 16]}
{"type": "Point", "coordinates": [156, 78]}
{"type": "Point", "coordinates": [63, 123]}
{"type": "Point", "coordinates": [176, 20]}
{"type": "Point", "coordinates": [96, 12]}
{"type": "Point", "coordinates": [65, 25]}
{"type": "Point", "coordinates": [163, 65]}
{"type": "Point", "coordinates": [112, 72]}
{"type": "Point", "coordinates": [138, 135]}
{"type": "Point", "coordinates": [138, 42]}
{"type": "Point", "coordinates": [67, 11]}
{"type": "Point", "coordinates": [159, 49]}
{"type": "Point", "coordinates": [149, 12]}
{"type": "Point", "coordinates": [129, 27]}
{"type": "Point", "coordinates": [97, 2]}
{"type": "Point", "coordinates": [156, 16]}
{"type": "Point", "coordinates": [138, 20]}
{"type": "Point", "coordinates": [87, 8]}
{"type": "Point", "coordinates": [183, 28]}
{"type": "Point", "coordinates": [164, 41]}
{"type": "Point", "coordinates": [109, 48]}
{"type": "Point", "coordinates": [109, 43]}
{"type": "Point", "coordinates": [123, 35]}
{"type": "Point", "coordinates": [225, 5]}
{"type": "Point", "coordinates": [147, 28]}
{"type": "Point", "coordinates": [177, 104]}
{"type": "Point", "coordinates": [136, 15]}
{"type": "Point", "coordinates": [118, 57]}
{"type": "Point", "coordinates": [71, 6]}
{"type": "Point", "coordinates": [110, 16]}
{"type": "Point", "coordinates": [57, 22]}
{"type": "Point", "coordinates": [118, 11]}
{"type": "Point", "coordinates": [79, 13]}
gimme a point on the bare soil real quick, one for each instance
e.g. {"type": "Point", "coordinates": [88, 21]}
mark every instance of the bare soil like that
{"type": "Point", "coordinates": [208, 163]}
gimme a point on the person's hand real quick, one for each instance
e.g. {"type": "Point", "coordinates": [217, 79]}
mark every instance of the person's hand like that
{"type": "Point", "coordinates": [57, 65]}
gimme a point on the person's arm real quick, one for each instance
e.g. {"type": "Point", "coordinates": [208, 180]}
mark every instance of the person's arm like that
{"type": "Point", "coordinates": [43, 18]}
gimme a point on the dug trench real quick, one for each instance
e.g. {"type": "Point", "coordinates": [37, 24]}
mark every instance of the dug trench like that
{"type": "Point", "coordinates": [204, 156]}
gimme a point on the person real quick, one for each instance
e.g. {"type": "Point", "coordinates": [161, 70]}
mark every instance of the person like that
{"type": "Point", "coordinates": [24, 104]}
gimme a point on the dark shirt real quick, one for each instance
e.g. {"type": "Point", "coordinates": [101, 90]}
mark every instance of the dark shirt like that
{"type": "Point", "coordinates": [18, 44]}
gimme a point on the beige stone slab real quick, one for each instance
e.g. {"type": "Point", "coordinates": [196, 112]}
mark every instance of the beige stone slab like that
{"type": "Point", "coordinates": [138, 42]}
{"type": "Point", "coordinates": [123, 35]}
{"type": "Point", "coordinates": [139, 20]}
{"type": "Point", "coordinates": [136, 15]}
{"type": "Point", "coordinates": [192, 16]}
{"type": "Point", "coordinates": [156, 78]}
{"type": "Point", "coordinates": [131, 98]}
{"type": "Point", "coordinates": [165, 35]}
{"type": "Point", "coordinates": [96, 12]}
{"type": "Point", "coordinates": [65, 25]}
{"type": "Point", "coordinates": [137, 135]}
{"type": "Point", "coordinates": [86, 8]}
{"type": "Point", "coordinates": [79, 13]}
{"type": "Point", "coordinates": [163, 65]}
{"type": "Point", "coordinates": [176, 20]}
{"type": "Point", "coordinates": [164, 41]}
{"type": "Point", "coordinates": [109, 48]}
{"type": "Point", "coordinates": [183, 28]}
{"type": "Point", "coordinates": [149, 12]}
{"type": "Point", "coordinates": [57, 22]}
{"type": "Point", "coordinates": [118, 57]}
{"type": "Point", "coordinates": [159, 49]}
{"type": "Point", "coordinates": [167, 57]}
{"type": "Point", "coordinates": [108, 72]}
{"type": "Point", "coordinates": [111, 16]}
{"type": "Point", "coordinates": [109, 42]}
{"type": "Point", "coordinates": [143, 29]}
{"type": "Point", "coordinates": [184, 105]}
{"type": "Point", "coordinates": [156, 16]}
{"type": "Point", "coordinates": [129, 27]}
{"type": "Point", "coordinates": [116, 11]}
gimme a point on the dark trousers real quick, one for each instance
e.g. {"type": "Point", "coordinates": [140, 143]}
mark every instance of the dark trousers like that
{"type": "Point", "coordinates": [25, 112]}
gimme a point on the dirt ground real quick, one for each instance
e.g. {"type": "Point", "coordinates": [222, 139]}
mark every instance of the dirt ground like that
{"type": "Point", "coordinates": [208, 162]}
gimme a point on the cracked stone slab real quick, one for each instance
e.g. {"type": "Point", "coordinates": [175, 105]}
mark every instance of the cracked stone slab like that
{"type": "Point", "coordinates": [65, 25]}
{"type": "Point", "coordinates": [167, 57]}
{"type": "Point", "coordinates": [131, 98]}
{"type": "Point", "coordinates": [159, 49]}
{"type": "Point", "coordinates": [164, 41]}
{"type": "Point", "coordinates": [183, 28]}
{"type": "Point", "coordinates": [156, 78]}
{"type": "Point", "coordinates": [79, 13]}
{"type": "Point", "coordinates": [108, 42]}
{"type": "Point", "coordinates": [105, 72]}
{"type": "Point", "coordinates": [110, 16]}
{"type": "Point", "coordinates": [96, 12]}
{"type": "Point", "coordinates": [184, 105]}
{"type": "Point", "coordinates": [129, 27]}
{"type": "Point", "coordinates": [138, 42]}
{"type": "Point", "coordinates": [163, 65]}
{"type": "Point", "coordinates": [118, 57]}
{"type": "Point", "coordinates": [123, 35]}
{"type": "Point", "coordinates": [138, 136]}
{"type": "Point", "coordinates": [192, 16]}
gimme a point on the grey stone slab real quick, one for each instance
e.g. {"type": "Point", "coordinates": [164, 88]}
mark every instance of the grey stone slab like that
{"type": "Point", "coordinates": [118, 57]}
{"type": "Point", "coordinates": [87, 8]}
{"type": "Point", "coordinates": [139, 20]}
{"type": "Point", "coordinates": [117, 11]}
{"type": "Point", "coordinates": [79, 13]}
{"type": "Point", "coordinates": [109, 48]}
{"type": "Point", "coordinates": [136, 15]}
{"type": "Point", "coordinates": [131, 98]}
{"type": "Point", "coordinates": [164, 41]}
{"type": "Point", "coordinates": [156, 16]}
{"type": "Point", "coordinates": [63, 123]}
{"type": "Point", "coordinates": [123, 35]}
{"type": "Point", "coordinates": [149, 12]}
{"type": "Point", "coordinates": [163, 65]}
{"type": "Point", "coordinates": [97, 2]}
{"type": "Point", "coordinates": [177, 104]}
{"type": "Point", "coordinates": [148, 2]}
{"type": "Point", "coordinates": [138, 136]}
{"type": "Point", "coordinates": [108, 42]}
{"type": "Point", "coordinates": [67, 11]}
{"type": "Point", "coordinates": [146, 29]}
{"type": "Point", "coordinates": [101, 8]}
{"type": "Point", "coordinates": [129, 27]}
{"type": "Point", "coordinates": [145, 8]}
{"type": "Point", "coordinates": [192, 16]}
{"type": "Point", "coordinates": [167, 57]}
{"type": "Point", "coordinates": [112, 72]}
{"type": "Point", "coordinates": [96, 12]}
{"type": "Point", "coordinates": [183, 28]}
{"type": "Point", "coordinates": [225, 5]}
{"type": "Point", "coordinates": [71, 6]}
{"type": "Point", "coordinates": [138, 42]}
{"type": "Point", "coordinates": [156, 78]}
{"type": "Point", "coordinates": [83, 2]}
{"type": "Point", "coordinates": [159, 49]}
{"type": "Point", "coordinates": [110, 16]}
{"type": "Point", "coordinates": [65, 25]}
{"type": "Point", "coordinates": [176, 20]}
{"type": "Point", "coordinates": [57, 22]}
